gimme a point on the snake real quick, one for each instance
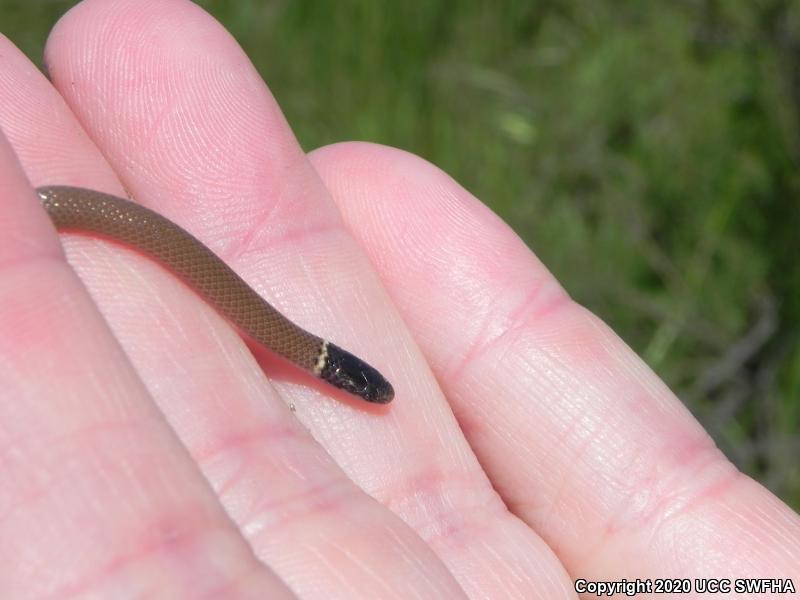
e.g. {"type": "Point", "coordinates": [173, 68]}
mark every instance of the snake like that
{"type": "Point", "coordinates": [76, 209]}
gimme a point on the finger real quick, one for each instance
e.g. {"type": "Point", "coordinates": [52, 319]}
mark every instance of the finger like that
{"type": "Point", "coordinates": [97, 496]}
{"type": "Point", "coordinates": [578, 436]}
{"type": "Point", "coordinates": [203, 116]}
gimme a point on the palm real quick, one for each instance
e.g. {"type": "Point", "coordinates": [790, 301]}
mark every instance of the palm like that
{"type": "Point", "coordinates": [588, 467]}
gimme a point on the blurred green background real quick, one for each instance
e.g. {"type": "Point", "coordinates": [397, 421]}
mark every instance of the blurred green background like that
{"type": "Point", "coordinates": [648, 152]}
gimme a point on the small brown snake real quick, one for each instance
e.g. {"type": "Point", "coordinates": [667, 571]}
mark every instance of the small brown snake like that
{"type": "Point", "coordinates": [84, 210]}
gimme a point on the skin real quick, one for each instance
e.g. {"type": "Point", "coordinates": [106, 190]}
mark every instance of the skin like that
{"type": "Point", "coordinates": [527, 445]}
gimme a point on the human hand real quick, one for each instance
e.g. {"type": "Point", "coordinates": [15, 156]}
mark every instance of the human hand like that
{"type": "Point", "coordinates": [175, 469]}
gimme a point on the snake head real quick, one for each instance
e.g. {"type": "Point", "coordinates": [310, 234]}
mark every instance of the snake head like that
{"type": "Point", "coordinates": [350, 373]}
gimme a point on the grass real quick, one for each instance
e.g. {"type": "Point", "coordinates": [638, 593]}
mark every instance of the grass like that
{"type": "Point", "coordinates": [651, 158]}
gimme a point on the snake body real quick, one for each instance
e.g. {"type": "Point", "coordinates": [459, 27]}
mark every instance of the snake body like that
{"type": "Point", "coordinates": [89, 211]}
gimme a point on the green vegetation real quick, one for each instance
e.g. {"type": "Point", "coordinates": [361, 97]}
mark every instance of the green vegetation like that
{"type": "Point", "coordinates": [648, 152]}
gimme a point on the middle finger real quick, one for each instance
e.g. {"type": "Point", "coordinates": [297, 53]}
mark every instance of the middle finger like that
{"type": "Point", "coordinates": [199, 124]}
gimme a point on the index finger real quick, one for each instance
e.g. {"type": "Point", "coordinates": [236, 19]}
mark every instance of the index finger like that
{"type": "Point", "coordinates": [580, 438]}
